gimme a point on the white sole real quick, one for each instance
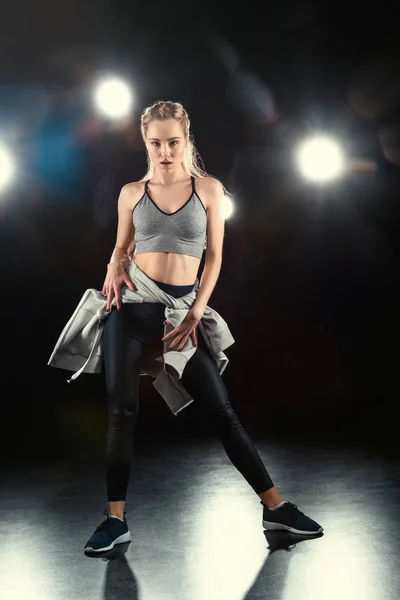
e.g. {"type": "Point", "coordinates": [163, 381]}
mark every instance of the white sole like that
{"type": "Point", "coordinates": [278, 526]}
{"type": "Point", "coordinates": [126, 537]}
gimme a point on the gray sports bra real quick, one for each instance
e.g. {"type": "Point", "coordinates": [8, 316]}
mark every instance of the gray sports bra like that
{"type": "Point", "coordinates": [183, 231]}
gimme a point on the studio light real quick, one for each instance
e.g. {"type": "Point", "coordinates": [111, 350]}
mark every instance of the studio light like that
{"type": "Point", "coordinates": [6, 167]}
{"type": "Point", "coordinates": [320, 159]}
{"type": "Point", "coordinates": [113, 98]}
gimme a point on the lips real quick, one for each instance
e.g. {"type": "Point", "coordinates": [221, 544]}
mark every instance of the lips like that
{"type": "Point", "coordinates": [166, 162]}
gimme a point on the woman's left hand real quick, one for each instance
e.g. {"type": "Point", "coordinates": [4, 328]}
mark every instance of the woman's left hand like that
{"type": "Point", "coordinates": [184, 330]}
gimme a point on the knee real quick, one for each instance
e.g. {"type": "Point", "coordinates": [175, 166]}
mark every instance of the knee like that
{"type": "Point", "coordinates": [122, 411]}
{"type": "Point", "coordinates": [225, 416]}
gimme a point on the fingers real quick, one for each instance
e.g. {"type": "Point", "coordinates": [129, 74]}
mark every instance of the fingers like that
{"type": "Point", "coordinates": [180, 338]}
{"type": "Point", "coordinates": [118, 298]}
{"type": "Point", "coordinates": [185, 338]}
{"type": "Point", "coordinates": [111, 290]}
{"type": "Point", "coordinates": [177, 340]}
{"type": "Point", "coordinates": [129, 284]}
{"type": "Point", "coordinates": [109, 294]}
{"type": "Point", "coordinates": [174, 331]}
{"type": "Point", "coordinates": [182, 343]}
{"type": "Point", "coordinates": [106, 286]}
{"type": "Point", "coordinates": [194, 338]}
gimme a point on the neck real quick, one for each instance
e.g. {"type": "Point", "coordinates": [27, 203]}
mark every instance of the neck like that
{"type": "Point", "coordinates": [169, 177]}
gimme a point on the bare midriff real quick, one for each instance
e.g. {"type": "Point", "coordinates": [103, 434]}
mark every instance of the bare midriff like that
{"type": "Point", "coordinates": [169, 267]}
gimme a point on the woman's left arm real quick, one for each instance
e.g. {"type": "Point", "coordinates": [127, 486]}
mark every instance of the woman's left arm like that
{"type": "Point", "coordinates": [212, 192]}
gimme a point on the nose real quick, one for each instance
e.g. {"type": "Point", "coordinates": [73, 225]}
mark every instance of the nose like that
{"type": "Point", "coordinates": [165, 151]}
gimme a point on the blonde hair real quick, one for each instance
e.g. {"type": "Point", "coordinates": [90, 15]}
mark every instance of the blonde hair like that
{"type": "Point", "coordinates": [192, 162]}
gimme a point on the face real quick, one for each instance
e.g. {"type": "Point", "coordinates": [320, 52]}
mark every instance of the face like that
{"type": "Point", "coordinates": [165, 143]}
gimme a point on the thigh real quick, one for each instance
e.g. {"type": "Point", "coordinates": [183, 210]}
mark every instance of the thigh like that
{"type": "Point", "coordinates": [122, 355]}
{"type": "Point", "coordinates": [203, 381]}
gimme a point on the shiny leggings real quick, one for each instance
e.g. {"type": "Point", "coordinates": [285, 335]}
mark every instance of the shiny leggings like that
{"type": "Point", "coordinates": [122, 355]}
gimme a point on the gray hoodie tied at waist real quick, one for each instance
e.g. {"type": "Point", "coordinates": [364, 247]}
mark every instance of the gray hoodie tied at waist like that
{"type": "Point", "coordinates": [79, 347]}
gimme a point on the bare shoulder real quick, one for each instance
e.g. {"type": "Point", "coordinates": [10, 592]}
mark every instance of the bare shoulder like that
{"type": "Point", "coordinates": [209, 184]}
{"type": "Point", "coordinates": [131, 193]}
{"type": "Point", "coordinates": [209, 189]}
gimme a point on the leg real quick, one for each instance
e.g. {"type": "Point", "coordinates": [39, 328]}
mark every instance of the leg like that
{"type": "Point", "coordinates": [122, 356]}
{"type": "Point", "coordinates": [204, 383]}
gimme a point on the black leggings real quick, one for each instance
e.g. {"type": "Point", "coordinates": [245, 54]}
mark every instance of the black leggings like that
{"type": "Point", "coordinates": [125, 338]}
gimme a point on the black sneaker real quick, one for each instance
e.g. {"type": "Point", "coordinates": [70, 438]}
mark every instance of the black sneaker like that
{"type": "Point", "coordinates": [111, 531]}
{"type": "Point", "coordinates": [290, 518]}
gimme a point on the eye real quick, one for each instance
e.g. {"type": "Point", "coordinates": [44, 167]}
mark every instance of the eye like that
{"type": "Point", "coordinates": [174, 142]}
{"type": "Point", "coordinates": [154, 143]}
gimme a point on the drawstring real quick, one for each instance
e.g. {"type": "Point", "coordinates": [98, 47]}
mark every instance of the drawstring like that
{"type": "Point", "coordinates": [95, 341]}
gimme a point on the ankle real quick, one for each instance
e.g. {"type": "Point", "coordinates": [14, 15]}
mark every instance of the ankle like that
{"type": "Point", "coordinates": [276, 506]}
{"type": "Point", "coordinates": [271, 498]}
{"type": "Point", "coordinates": [116, 513]}
{"type": "Point", "coordinates": [117, 509]}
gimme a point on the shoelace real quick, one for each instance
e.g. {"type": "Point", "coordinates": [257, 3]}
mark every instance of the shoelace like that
{"type": "Point", "coordinates": [294, 512]}
{"type": "Point", "coordinates": [105, 525]}
{"type": "Point", "coordinates": [294, 507]}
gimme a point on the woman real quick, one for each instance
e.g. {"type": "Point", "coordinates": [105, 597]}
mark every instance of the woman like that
{"type": "Point", "coordinates": [170, 213]}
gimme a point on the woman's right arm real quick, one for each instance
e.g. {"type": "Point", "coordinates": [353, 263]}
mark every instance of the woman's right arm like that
{"type": "Point", "coordinates": [116, 275]}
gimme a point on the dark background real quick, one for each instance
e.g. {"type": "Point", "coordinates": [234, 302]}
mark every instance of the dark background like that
{"type": "Point", "coordinates": [308, 282]}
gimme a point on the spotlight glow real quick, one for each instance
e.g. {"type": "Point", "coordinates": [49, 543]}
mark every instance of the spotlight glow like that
{"type": "Point", "coordinates": [227, 207]}
{"type": "Point", "coordinates": [320, 159]}
{"type": "Point", "coordinates": [113, 97]}
{"type": "Point", "coordinates": [6, 167]}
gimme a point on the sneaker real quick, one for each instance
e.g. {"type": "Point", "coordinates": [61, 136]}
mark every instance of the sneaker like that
{"type": "Point", "coordinates": [111, 531]}
{"type": "Point", "coordinates": [290, 518]}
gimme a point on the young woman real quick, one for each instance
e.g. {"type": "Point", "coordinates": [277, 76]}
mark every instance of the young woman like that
{"type": "Point", "coordinates": [167, 217]}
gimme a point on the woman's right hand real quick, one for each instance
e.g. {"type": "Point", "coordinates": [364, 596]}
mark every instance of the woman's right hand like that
{"type": "Point", "coordinates": [115, 278]}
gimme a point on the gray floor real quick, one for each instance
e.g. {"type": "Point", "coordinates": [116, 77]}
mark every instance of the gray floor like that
{"type": "Point", "coordinates": [196, 528]}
